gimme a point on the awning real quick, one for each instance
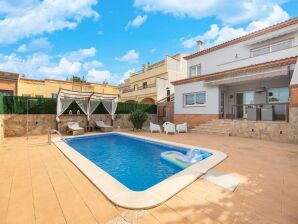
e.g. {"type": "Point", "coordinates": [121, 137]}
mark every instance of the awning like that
{"type": "Point", "coordinates": [87, 101]}
{"type": "Point", "coordinates": [251, 76]}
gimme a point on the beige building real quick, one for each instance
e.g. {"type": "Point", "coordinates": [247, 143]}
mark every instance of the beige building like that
{"type": "Point", "coordinates": [49, 87]}
{"type": "Point", "coordinates": [151, 83]}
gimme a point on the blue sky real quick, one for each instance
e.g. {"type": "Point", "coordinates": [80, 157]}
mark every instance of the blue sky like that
{"type": "Point", "coordinates": [107, 39]}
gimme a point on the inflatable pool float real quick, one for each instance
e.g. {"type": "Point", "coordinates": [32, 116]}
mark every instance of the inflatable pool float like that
{"type": "Point", "coordinates": [185, 160]}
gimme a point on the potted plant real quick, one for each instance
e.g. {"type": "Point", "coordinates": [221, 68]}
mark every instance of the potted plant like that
{"type": "Point", "coordinates": [137, 118]}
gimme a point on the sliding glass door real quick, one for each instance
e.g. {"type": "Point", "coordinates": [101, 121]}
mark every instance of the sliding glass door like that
{"type": "Point", "coordinates": [242, 99]}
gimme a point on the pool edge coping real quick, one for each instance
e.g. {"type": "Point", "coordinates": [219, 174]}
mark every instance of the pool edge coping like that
{"type": "Point", "coordinates": [122, 196]}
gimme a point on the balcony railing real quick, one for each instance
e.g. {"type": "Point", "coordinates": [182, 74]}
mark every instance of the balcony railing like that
{"type": "Point", "coordinates": [148, 86]}
{"type": "Point", "coordinates": [261, 112]}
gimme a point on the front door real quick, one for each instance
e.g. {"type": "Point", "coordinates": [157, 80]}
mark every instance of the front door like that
{"type": "Point", "coordinates": [242, 99]}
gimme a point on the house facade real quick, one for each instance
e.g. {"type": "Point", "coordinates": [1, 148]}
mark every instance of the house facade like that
{"type": "Point", "coordinates": [153, 82]}
{"type": "Point", "coordinates": [253, 77]}
{"type": "Point", "coordinates": [9, 83]}
{"type": "Point", "coordinates": [49, 87]}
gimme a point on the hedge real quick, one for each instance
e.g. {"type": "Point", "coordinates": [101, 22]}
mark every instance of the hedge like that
{"type": "Point", "coordinates": [18, 105]}
{"type": "Point", "coordinates": [1, 104]}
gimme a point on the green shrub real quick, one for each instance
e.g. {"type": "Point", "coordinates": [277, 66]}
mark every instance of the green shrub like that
{"type": "Point", "coordinates": [137, 118]}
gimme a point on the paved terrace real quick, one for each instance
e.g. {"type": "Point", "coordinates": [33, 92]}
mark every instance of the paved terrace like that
{"type": "Point", "coordinates": [39, 185]}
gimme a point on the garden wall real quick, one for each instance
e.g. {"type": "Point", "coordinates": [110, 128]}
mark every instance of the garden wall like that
{"type": "Point", "coordinates": [39, 124]}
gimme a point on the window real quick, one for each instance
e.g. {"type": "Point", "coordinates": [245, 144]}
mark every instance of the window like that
{"type": "Point", "coordinates": [195, 70]}
{"type": "Point", "coordinates": [271, 48]}
{"type": "Point", "coordinates": [6, 92]}
{"type": "Point", "coordinates": [278, 95]}
{"type": "Point", "coordinates": [135, 87]}
{"type": "Point", "coordinates": [144, 85]}
{"type": "Point", "coordinates": [195, 99]}
{"type": "Point", "coordinates": [54, 95]}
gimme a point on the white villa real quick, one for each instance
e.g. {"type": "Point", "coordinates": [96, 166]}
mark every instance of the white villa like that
{"type": "Point", "coordinates": [252, 78]}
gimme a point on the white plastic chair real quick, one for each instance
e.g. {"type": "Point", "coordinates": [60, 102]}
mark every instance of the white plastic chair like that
{"type": "Point", "coordinates": [154, 128]}
{"type": "Point", "coordinates": [181, 127]}
{"type": "Point", "coordinates": [169, 127]}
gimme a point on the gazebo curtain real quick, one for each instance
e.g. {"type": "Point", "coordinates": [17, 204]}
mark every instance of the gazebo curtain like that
{"type": "Point", "coordinates": [83, 104]}
{"type": "Point", "coordinates": [110, 106]}
{"type": "Point", "coordinates": [92, 107]}
{"type": "Point", "coordinates": [88, 102]}
{"type": "Point", "coordinates": [62, 105]}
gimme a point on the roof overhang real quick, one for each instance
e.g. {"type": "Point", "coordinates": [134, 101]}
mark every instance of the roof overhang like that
{"type": "Point", "coordinates": [285, 62]}
{"type": "Point", "coordinates": [251, 76]}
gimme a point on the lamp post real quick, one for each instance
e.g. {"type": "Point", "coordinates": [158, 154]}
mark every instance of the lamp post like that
{"type": "Point", "coordinates": [28, 115]}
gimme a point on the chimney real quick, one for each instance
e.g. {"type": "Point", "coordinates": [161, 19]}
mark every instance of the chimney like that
{"type": "Point", "coordinates": [200, 45]}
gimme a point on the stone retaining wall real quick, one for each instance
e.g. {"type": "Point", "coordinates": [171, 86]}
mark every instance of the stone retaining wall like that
{"type": "Point", "coordinates": [15, 124]}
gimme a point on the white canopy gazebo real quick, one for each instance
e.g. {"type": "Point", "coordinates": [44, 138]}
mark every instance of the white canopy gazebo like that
{"type": "Point", "coordinates": [87, 101]}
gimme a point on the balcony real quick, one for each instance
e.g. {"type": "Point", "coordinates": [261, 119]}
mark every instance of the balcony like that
{"type": "Point", "coordinates": [261, 112]}
{"type": "Point", "coordinates": [131, 93]}
{"type": "Point", "coordinates": [286, 53]}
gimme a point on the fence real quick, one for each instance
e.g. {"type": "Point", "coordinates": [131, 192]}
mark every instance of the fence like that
{"type": "Point", "coordinates": [18, 105]}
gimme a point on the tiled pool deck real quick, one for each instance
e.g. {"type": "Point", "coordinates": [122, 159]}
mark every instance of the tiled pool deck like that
{"type": "Point", "coordinates": [39, 185]}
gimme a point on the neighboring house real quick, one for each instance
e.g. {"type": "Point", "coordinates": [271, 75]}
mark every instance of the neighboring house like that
{"type": "Point", "coordinates": [9, 83]}
{"type": "Point", "coordinates": [49, 87]}
{"type": "Point", "coordinates": [153, 81]}
{"type": "Point", "coordinates": [253, 77]}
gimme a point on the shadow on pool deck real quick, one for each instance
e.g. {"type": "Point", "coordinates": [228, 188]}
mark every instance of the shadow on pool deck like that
{"type": "Point", "coordinates": [39, 185]}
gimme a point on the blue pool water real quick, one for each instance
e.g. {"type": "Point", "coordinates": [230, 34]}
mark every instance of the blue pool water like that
{"type": "Point", "coordinates": [134, 162]}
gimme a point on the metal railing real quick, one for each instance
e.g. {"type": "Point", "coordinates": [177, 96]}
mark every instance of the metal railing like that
{"type": "Point", "coordinates": [261, 112]}
{"type": "Point", "coordinates": [53, 131]}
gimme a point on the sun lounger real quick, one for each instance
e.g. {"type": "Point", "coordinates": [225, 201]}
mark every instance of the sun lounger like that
{"type": "Point", "coordinates": [181, 127]}
{"type": "Point", "coordinates": [75, 128]}
{"type": "Point", "coordinates": [169, 127]}
{"type": "Point", "coordinates": [154, 128]}
{"type": "Point", "coordinates": [103, 127]}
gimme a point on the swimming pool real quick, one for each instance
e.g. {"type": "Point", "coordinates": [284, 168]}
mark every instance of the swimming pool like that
{"type": "Point", "coordinates": [128, 168]}
{"type": "Point", "coordinates": [134, 162]}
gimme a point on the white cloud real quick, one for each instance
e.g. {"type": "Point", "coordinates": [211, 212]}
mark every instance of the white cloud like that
{"type": "Point", "coordinates": [153, 50]}
{"type": "Point", "coordinates": [136, 22]}
{"type": "Point", "coordinates": [126, 75]}
{"type": "Point", "coordinates": [92, 64]}
{"type": "Point", "coordinates": [63, 68]}
{"type": "Point", "coordinates": [81, 54]}
{"type": "Point", "coordinates": [132, 57]}
{"type": "Point", "coordinates": [218, 35]}
{"type": "Point", "coordinates": [98, 76]}
{"type": "Point", "coordinates": [228, 11]}
{"type": "Point", "coordinates": [20, 19]}
{"type": "Point", "coordinates": [24, 65]}
{"type": "Point", "coordinates": [41, 65]}
{"type": "Point", "coordinates": [39, 44]}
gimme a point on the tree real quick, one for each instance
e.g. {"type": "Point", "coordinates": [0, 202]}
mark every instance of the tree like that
{"type": "Point", "coordinates": [75, 78]}
{"type": "Point", "coordinates": [105, 82]}
{"type": "Point", "coordinates": [137, 118]}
